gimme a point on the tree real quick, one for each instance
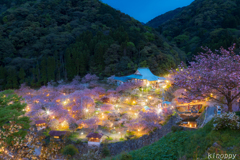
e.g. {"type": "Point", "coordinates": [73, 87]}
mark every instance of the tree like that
{"type": "Point", "coordinates": [12, 109]}
{"type": "Point", "coordinates": [213, 76]}
{"type": "Point", "coordinates": [21, 75]}
{"type": "Point", "coordinates": [70, 150]}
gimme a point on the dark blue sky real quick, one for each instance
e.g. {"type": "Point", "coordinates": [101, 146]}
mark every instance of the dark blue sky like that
{"type": "Point", "coordinates": [145, 10]}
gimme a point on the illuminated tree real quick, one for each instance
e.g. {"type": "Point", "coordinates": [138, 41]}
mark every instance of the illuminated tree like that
{"type": "Point", "coordinates": [212, 75]}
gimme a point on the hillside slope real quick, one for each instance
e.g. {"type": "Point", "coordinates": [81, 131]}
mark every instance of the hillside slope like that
{"type": "Point", "coordinates": [189, 145]}
{"type": "Point", "coordinates": [211, 23]}
{"type": "Point", "coordinates": [48, 40]}
{"type": "Point", "coordinates": [159, 20]}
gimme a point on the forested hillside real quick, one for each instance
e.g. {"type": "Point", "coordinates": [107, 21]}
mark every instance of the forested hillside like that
{"type": "Point", "coordinates": [212, 23]}
{"type": "Point", "coordinates": [48, 40]}
{"type": "Point", "coordinates": [159, 20]}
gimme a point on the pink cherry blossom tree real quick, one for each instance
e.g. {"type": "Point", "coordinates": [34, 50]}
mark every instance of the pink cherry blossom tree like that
{"type": "Point", "coordinates": [89, 78]}
{"type": "Point", "coordinates": [212, 75]}
{"type": "Point", "coordinates": [107, 107]}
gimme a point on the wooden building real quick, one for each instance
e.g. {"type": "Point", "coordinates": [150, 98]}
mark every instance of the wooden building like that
{"type": "Point", "coordinates": [58, 134]}
{"type": "Point", "coordinates": [94, 139]}
{"type": "Point", "coordinates": [41, 124]}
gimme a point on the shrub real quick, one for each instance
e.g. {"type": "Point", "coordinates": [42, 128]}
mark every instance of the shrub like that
{"type": "Point", "coordinates": [109, 138]}
{"type": "Point", "coordinates": [70, 150]}
{"type": "Point", "coordinates": [176, 128]}
{"type": "Point", "coordinates": [226, 120]}
{"type": "Point", "coordinates": [105, 150]}
{"type": "Point", "coordinates": [238, 113]}
{"type": "Point", "coordinates": [78, 141]}
{"type": "Point", "coordinates": [121, 139]}
{"type": "Point", "coordinates": [126, 156]}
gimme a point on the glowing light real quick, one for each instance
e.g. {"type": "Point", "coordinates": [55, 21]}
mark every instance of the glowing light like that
{"type": "Point", "coordinates": [126, 99]}
{"type": "Point", "coordinates": [138, 130]}
{"type": "Point", "coordinates": [82, 133]}
{"type": "Point", "coordinates": [53, 117]}
{"type": "Point", "coordinates": [134, 101]}
{"type": "Point", "coordinates": [135, 113]}
{"type": "Point", "coordinates": [48, 112]}
{"type": "Point", "coordinates": [65, 102]}
{"type": "Point", "coordinates": [167, 81]}
{"type": "Point", "coordinates": [116, 105]}
{"type": "Point", "coordinates": [140, 95]}
{"type": "Point", "coordinates": [119, 132]}
{"type": "Point", "coordinates": [47, 95]}
{"type": "Point", "coordinates": [130, 108]}
{"type": "Point", "coordinates": [68, 109]}
{"type": "Point", "coordinates": [150, 97]}
{"type": "Point", "coordinates": [96, 112]}
{"type": "Point", "coordinates": [164, 86]}
{"type": "Point", "coordinates": [147, 84]}
{"type": "Point", "coordinates": [86, 110]}
{"type": "Point", "coordinates": [146, 100]}
{"type": "Point", "coordinates": [159, 110]}
{"type": "Point", "coordinates": [102, 116]}
{"type": "Point", "coordinates": [211, 94]}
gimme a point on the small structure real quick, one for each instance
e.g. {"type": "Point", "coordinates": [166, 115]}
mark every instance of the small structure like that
{"type": "Point", "coordinates": [105, 99]}
{"type": "Point", "coordinates": [94, 139]}
{"type": "Point", "coordinates": [189, 124]}
{"type": "Point", "coordinates": [58, 134]}
{"type": "Point", "coordinates": [143, 75]}
{"type": "Point", "coordinates": [41, 124]}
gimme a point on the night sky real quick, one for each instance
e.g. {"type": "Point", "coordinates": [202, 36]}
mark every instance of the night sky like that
{"type": "Point", "coordinates": [145, 10]}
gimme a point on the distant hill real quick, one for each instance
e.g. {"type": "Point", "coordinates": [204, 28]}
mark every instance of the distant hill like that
{"type": "Point", "coordinates": [212, 23]}
{"type": "Point", "coordinates": [48, 40]}
{"type": "Point", "coordinates": [159, 20]}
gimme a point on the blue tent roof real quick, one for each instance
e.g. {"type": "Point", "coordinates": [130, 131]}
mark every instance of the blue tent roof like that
{"type": "Point", "coordinates": [123, 79]}
{"type": "Point", "coordinates": [141, 73]}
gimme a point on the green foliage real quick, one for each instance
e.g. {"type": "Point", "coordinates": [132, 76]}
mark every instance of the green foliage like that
{"type": "Point", "coordinates": [176, 128]}
{"type": "Point", "coordinates": [126, 156]}
{"type": "Point", "coordinates": [189, 144]}
{"type": "Point", "coordinates": [105, 150]}
{"type": "Point", "coordinates": [121, 139]}
{"type": "Point", "coordinates": [109, 138]}
{"type": "Point", "coordinates": [201, 24]}
{"type": "Point", "coordinates": [70, 150]}
{"type": "Point", "coordinates": [12, 109]}
{"type": "Point", "coordinates": [69, 38]}
{"type": "Point", "coordinates": [226, 121]}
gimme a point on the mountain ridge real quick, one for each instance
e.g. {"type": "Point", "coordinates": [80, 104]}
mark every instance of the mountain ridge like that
{"type": "Point", "coordinates": [213, 23]}
{"type": "Point", "coordinates": [59, 39]}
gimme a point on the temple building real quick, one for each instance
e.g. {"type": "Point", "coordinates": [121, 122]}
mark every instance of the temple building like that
{"type": "Point", "coordinates": [144, 75]}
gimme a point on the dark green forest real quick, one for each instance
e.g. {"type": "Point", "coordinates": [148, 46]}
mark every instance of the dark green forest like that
{"type": "Point", "coordinates": [212, 23]}
{"type": "Point", "coordinates": [47, 40]}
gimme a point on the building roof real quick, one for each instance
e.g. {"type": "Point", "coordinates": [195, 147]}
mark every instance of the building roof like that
{"type": "Point", "coordinates": [141, 73]}
{"type": "Point", "coordinates": [123, 79]}
{"type": "Point", "coordinates": [40, 122]}
{"type": "Point", "coordinates": [95, 135]}
{"type": "Point", "coordinates": [57, 133]}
